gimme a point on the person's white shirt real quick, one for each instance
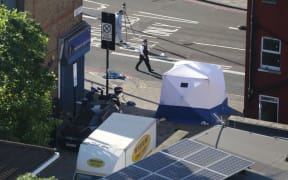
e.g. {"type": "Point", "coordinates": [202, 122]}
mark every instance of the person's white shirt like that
{"type": "Point", "coordinates": [118, 25]}
{"type": "Point", "coordinates": [141, 49]}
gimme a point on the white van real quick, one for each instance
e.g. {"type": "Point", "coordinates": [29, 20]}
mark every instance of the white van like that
{"type": "Point", "coordinates": [119, 141]}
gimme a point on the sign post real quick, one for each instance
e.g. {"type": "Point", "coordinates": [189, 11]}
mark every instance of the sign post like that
{"type": "Point", "coordinates": [107, 71]}
{"type": "Point", "coordinates": [107, 39]}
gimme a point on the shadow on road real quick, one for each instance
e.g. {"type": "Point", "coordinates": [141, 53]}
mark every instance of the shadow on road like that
{"type": "Point", "coordinates": [153, 74]}
{"type": "Point", "coordinates": [236, 112]}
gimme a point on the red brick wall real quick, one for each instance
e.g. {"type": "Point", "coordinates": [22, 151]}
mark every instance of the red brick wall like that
{"type": "Point", "coordinates": [269, 21]}
{"type": "Point", "coordinates": [56, 18]}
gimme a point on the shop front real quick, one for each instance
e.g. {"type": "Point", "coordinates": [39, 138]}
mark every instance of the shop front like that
{"type": "Point", "coordinates": [72, 49]}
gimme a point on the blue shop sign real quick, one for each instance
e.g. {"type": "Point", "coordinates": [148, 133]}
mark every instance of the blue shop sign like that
{"type": "Point", "coordinates": [78, 45]}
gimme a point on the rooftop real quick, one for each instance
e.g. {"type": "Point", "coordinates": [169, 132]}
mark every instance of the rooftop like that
{"type": "Point", "coordinates": [17, 159]}
{"type": "Point", "coordinates": [217, 153]}
{"type": "Point", "coordinates": [268, 153]}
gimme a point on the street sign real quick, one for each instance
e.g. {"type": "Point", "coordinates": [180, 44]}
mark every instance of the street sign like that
{"type": "Point", "coordinates": [108, 31]}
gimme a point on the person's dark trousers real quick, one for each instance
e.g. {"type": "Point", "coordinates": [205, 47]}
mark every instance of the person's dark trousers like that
{"type": "Point", "coordinates": [146, 61]}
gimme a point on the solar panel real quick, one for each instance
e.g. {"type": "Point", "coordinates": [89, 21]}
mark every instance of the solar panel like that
{"type": "Point", "coordinates": [156, 161]}
{"type": "Point", "coordinates": [130, 172]}
{"type": "Point", "coordinates": [154, 177]}
{"type": "Point", "coordinates": [205, 174]}
{"type": "Point", "coordinates": [178, 170]}
{"type": "Point", "coordinates": [206, 156]}
{"type": "Point", "coordinates": [230, 165]}
{"type": "Point", "coordinates": [177, 149]}
{"type": "Point", "coordinates": [185, 160]}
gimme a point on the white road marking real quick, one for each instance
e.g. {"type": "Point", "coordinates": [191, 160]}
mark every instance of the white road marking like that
{"type": "Point", "coordinates": [233, 28]}
{"type": "Point", "coordinates": [227, 67]}
{"type": "Point", "coordinates": [173, 60]}
{"type": "Point", "coordinates": [162, 17]}
{"type": "Point", "coordinates": [102, 5]}
{"type": "Point", "coordinates": [234, 72]}
{"type": "Point", "coordinates": [97, 3]}
{"type": "Point", "coordinates": [159, 31]}
{"type": "Point", "coordinates": [94, 9]}
{"type": "Point", "coordinates": [141, 35]}
{"type": "Point", "coordinates": [166, 25]}
{"type": "Point", "coordinates": [129, 22]}
{"type": "Point", "coordinates": [89, 17]}
{"type": "Point", "coordinates": [152, 58]}
{"type": "Point", "coordinates": [220, 46]}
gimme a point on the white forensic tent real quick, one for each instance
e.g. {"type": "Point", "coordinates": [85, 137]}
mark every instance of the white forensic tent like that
{"type": "Point", "coordinates": [193, 92]}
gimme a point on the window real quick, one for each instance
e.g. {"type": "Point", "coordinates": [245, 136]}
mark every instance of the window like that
{"type": "Point", "coordinates": [184, 85]}
{"type": "Point", "coordinates": [269, 1]}
{"type": "Point", "coordinates": [268, 108]}
{"type": "Point", "coordinates": [270, 54]}
{"type": "Point", "coordinates": [11, 4]}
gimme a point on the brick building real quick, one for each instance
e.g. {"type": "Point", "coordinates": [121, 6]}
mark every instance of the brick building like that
{"type": "Point", "coordinates": [69, 40]}
{"type": "Point", "coordinates": [266, 82]}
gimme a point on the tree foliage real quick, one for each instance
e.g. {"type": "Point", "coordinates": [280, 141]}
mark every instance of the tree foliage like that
{"type": "Point", "coordinates": [25, 82]}
{"type": "Point", "coordinates": [29, 176]}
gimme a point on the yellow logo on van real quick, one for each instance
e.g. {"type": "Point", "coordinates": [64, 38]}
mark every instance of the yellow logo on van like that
{"type": "Point", "coordinates": [141, 148]}
{"type": "Point", "coordinates": [95, 162]}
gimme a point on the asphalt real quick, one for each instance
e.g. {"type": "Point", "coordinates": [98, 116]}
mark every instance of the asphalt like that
{"type": "Point", "coordinates": [236, 4]}
{"type": "Point", "coordinates": [146, 95]}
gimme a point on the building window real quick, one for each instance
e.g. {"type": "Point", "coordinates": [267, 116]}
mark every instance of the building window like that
{"type": "Point", "coordinates": [270, 54]}
{"type": "Point", "coordinates": [269, 1]}
{"type": "Point", "coordinates": [11, 4]}
{"type": "Point", "coordinates": [268, 108]}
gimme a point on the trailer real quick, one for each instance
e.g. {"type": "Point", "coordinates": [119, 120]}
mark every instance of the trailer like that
{"type": "Point", "coordinates": [118, 142]}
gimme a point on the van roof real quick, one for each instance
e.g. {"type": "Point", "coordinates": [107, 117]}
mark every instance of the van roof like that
{"type": "Point", "coordinates": [120, 130]}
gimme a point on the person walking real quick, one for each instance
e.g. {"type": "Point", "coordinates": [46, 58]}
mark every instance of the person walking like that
{"type": "Point", "coordinates": [118, 25]}
{"type": "Point", "coordinates": [144, 56]}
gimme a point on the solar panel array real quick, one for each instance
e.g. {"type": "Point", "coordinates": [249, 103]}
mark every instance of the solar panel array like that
{"type": "Point", "coordinates": [185, 160]}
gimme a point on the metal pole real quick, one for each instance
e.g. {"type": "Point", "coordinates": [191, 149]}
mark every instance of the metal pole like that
{"type": "Point", "coordinates": [251, 54]}
{"type": "Point", "coordinates": [74, 101]}
{"type": "Point", "coordinates": [107, 71]}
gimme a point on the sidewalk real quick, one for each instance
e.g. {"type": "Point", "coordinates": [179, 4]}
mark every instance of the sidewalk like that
{"type": "Point", "coordinates": [237, 4]}
{"type": "Point", "coordinates": [145, 94]}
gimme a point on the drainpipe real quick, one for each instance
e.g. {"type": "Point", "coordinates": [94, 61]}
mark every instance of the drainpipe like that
{"type": "Point", "coordinates": [251, 53]}
{"type": "Point", "coordinates": [33, 9]}
{"type": "Point", "coordinates": [46, 164]}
